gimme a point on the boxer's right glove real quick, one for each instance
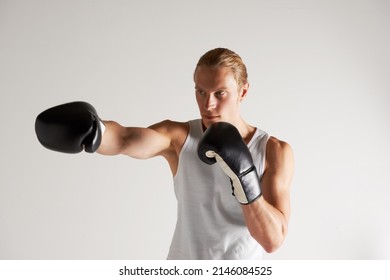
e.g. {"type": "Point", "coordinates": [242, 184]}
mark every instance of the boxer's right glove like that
{"type": "Point", "coordinates": [223, 143]}
{"type": "Point", "coordinates": [70, 128]}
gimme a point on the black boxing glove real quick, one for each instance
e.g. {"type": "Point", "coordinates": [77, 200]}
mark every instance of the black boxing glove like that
{"type": "Point", "coordinates": [223, 143]}
{"type": "Point", "coordinates": [70, 128]}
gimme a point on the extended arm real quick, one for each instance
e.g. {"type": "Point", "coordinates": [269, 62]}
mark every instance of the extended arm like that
{"type": "Point", "coordinates": [74, 127]}
{"type": "Point", "coordinates": [161, 139]}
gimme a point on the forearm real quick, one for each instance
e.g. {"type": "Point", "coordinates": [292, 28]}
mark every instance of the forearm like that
{"type": "Point", "coordinates": [113, 139]}
{"type": "Point", "coordinates": [118, 140]}
{"type": "Point", "coordinates": [265, 223]}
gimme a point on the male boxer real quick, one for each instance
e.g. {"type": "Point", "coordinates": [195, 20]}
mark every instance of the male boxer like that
{"type": "Point", "coordinates": [231, 179]}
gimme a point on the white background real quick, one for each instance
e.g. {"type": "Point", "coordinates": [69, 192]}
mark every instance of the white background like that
{"type": "Point", "coordinates": [319, 74]}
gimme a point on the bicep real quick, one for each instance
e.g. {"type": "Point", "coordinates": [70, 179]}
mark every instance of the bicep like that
{"type": "Point", "coordinates": [277, 177]}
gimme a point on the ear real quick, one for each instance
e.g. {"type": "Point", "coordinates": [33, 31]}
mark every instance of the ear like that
{"type": "Point", "coordinates": [244, 91]}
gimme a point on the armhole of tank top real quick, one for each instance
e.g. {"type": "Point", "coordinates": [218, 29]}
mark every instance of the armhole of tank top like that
{"type": "Point", "coordinates": [185, 144]}
{"type": "Point", "coordinates": [265, 155]}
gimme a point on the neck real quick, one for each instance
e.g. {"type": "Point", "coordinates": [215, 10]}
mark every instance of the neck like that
{"type": "Point", "coordinates": [245, 129]}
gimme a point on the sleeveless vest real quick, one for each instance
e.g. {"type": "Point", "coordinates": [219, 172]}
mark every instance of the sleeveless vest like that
{"type": "Point", "coordinates": [210, 223]}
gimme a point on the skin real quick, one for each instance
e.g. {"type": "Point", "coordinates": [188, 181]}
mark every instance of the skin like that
{"type": "Point", "coordinates": [218, 96]}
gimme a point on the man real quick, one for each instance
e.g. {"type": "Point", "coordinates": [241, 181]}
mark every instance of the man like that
{"type": "Point", "coordinates": [234, 209]}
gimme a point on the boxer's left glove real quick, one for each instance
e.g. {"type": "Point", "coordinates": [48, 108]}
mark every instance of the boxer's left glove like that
{"type": "Point", "coordinates": [222, 143]}
{"type": "Point", "coordinates": [70, 128]}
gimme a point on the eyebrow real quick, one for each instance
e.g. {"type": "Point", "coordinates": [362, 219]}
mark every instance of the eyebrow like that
{"type": "Point", "coordinates": [219, 89]}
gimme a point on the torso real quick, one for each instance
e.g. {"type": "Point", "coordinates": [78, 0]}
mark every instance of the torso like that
{"type": "Point", "coordinates": [208, 215]}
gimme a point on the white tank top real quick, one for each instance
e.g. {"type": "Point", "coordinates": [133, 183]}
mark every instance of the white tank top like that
{"type": "Point", "coordinates": [210, 223]}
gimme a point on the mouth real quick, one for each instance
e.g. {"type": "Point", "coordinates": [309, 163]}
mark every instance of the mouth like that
{"type": "Point", "coordinates": [208, 117]}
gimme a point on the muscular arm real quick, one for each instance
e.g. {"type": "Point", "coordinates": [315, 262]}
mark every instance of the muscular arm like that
{"type": "Point", "coordinates": [161, 139]}
{"type": "Point", "coordinates": [136, 142]}
{"type": "Point", "coordinates": [267, 217]}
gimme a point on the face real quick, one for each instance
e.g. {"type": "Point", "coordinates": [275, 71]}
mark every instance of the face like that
{"type": "Point", "coordinates": [218, 95]}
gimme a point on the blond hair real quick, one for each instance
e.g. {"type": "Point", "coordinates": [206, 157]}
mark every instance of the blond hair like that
{"type": "Point", "coordinates": [222, 57]}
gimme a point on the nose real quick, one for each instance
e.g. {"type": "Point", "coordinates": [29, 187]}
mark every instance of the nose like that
{"type": "Point", "coordinates": [210, 102]}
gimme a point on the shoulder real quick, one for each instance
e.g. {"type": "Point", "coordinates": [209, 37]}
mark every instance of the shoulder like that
{"type": "Point", "coordinates": [277, 145]}
{"type": "Point", "coordinates": [170, 127]}
{"type": "Point", "coordinates": [176, 131]}
{"type": "Point", "coordinates": [279, 154]}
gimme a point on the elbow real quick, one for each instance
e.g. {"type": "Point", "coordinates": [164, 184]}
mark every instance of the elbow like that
{"type": "Point", "coordinates": [272, 241]}
{"type": "Point", "coordinates": [271, 247]}
{"type": "Point", "coordinates": [272, 244]}
{"type": "Point", "coordinates": [275, 239]}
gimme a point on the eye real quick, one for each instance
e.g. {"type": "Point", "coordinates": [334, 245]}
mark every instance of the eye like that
{"type": "Point", "coordinates": [220, 93]}
{"type": "Point", "coordinates": [199, 92]}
